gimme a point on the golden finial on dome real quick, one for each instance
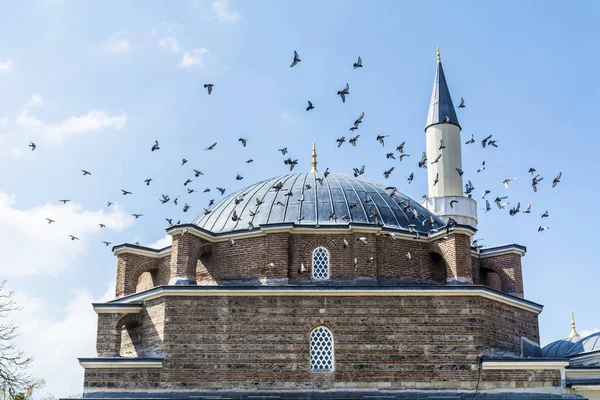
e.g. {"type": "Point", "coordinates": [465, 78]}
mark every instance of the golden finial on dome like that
{"type": "Point", "coordinates": [314, 157]}
{"type": "Point", "coordinates": [439, 57]}
{"type": "Point", "coordinates": [574, 333]}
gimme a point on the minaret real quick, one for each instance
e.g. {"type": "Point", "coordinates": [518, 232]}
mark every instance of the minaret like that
{"type": "Point", "coordinates": [314, 158]}
{"type": "Point", "coordinates": [445, 183]}
{"type": "Point", "coordinates": [574, 334]}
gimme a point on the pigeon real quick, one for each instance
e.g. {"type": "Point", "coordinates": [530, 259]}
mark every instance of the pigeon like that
{"type": "Point", "coordinates": [176, 199]}
{"type": "Point", "coordinates": [437, 179]}
{"type": "Point", "coordinates": [359, 119]}
{"type": "Point", "coordinates": [107, 243]}
{"type": "Point", "coordinates": [485, 194]}
{"type": "Point", "coordinates": [206, 190]}
{"type": "Point", "coordinates": [492, 143]}
{"type": "Point", "coordinates": [344, 92]}
{"type": "Point", "coordinates": [187, 181]}
{"type": "Point", "coordinates": [235, 217]}
{"type": "Point", "coordinates": [371, 259]}
{"type": "Point", "coordinates": [73, 237]}
{"type": "Point", "coordinates": [212, 146]}
{"type": "Point", "coordinates": [353, 140]}
{"type": "Point", "coordinates": [147, 181]}
{"type": "Point", "coordinates": [101, 226]}
{"type": "Point", "coordinates": [221, 190]}
{"type": "Point", "coordinates": [239, 177]}
{"type": "Point", "coordinates": [442, 146]}
{"type": "Point", "coordinates": [310, 106]}
{"type": "Point", "coordinates": [108, 203]}
{"type": "Point", "coordinates": [390, 155]}
{"type": "Point", "coordinates": [534, 182]}
{"type": "Point", "coordinates": [326, 172]}
{"type": "Point", "coordinates": [469, 187]}
{"type": "Point", "coordinates": [358, 64]}
{"type": "Point", "coordinates": [408, 256]}
{"type": "Point", "coordinates": [507, 181]}
{"type": "Point", "coordinates": [482, 168]}
{"type": "Point", "coordinates": [527, 210]}
{"type": "Point", "coordinates": [436, 160]}
{"type": "Point", "coordinates": [341, 141]}
{"type": "Point", "coordinates": [462, 103]}
{"type": "Point", "coordinates": [125, 192]}
{"type": "Point", "coordinates": [136, 216]}
{"type": "Point", "coordinates": [50, 220]}
{"type": "Point", "coordinates": [380, 138]}
{"type": "Point", "coordinates": [207, 211]}
{"type": "Point", "coordinates": [155, 146]}
{"type": "Point", "coordinates": [169, 221]}
{"type": "Point", "coordinates": [86, 172]}
{"type": "Point", "coordinates": [358, 172]}
{"type": "Point", "coordinates": [244, 141]}
{"type": "Point", "coordinates": [346, 244]}
{"type": "Point", "coordinates": [283, 151]}
{"type": "Point", "coordinates": [32, 145]}
{"type": "Point", "coordinates": [557, 179]}
{"type": "Point", "coordinates": [401, 156]}
{"type": "Point", "coordinates": [355, 262]}
{"type": "Point", "coordinates": [183, 161]}
{"type": "Point", "coordinates": [484, 141]}
{"type": "Point", "coordinates": [545, 214]}
{"type": "Point", "coordinates": [487, 206]}
{"type": "Point", "coordinates": [186, 207]}
{"type": "Point", "coordinates": [209, 87]}
{"type": "Point", "coordinates": [400, 147]}
{"type": "Point", "coordinates": [190, 191]}
{"type": "Point", "coordinates": [296, 59]}
{"type": "Point", "coordinates": [64, 201]}
{"type": "Point", "coordinates": [498, 200]}
{"type": "Point", "coordinates": [277, 187]}
{"type": "Point", "coordinates": [543, 228]}
{"type": "Point", "coordinates": [302, 269]}
{"type": "Point", "coordinates": [459, 171]}
{"type": "Point", "coordinates": [423, 162]}
{"type": "Point", "coordinates": [387, 173]}
{"type": "Point", "coordinates": [197, 173]}
{"type": "Point", "coordinates": [249, 161]}
{"type": "Point", "coordinates": [515, 210]}
{"type": "Point", "coordinates": [362, 239]}
{"type": "Point", "coordinates": [452, 202]}
{"type": "Point", "coordinates": [531, 170]}
{"type": "Point", "coordinates": [411, 177]}
{"type": "Point", "coordinates": [472, 140]}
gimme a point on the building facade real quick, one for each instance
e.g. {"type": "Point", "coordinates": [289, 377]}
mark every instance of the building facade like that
{"type": "Point", "coordinates": [314, 285]}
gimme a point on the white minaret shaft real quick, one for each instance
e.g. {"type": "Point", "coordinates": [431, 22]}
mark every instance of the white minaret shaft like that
{"type": "Point", "coordinates": [443, 143]}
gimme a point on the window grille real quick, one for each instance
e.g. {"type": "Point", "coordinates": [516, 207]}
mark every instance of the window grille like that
{"type": "Point", "coordinates": [321, 350]}
{"type": "Point", "coordinates": [320, 263]}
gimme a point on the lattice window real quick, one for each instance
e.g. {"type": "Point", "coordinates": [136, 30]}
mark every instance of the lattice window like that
{"type": "Point", "coordinates": [321, 350]}
{"type": "Point", "coordinates": [320, 263]}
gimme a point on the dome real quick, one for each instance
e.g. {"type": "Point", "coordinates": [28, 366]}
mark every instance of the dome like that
{"type": "Point", "coordinates": [303, 200]}
{"type": "Point", "coordinates": [586, 345]}
{"type": "Point", "coordinates": [559, 348]}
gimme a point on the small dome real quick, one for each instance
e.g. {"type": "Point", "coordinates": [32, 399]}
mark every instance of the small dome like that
{"type": "Point", "coordinates": [586, 345]}
{"type": "Point", "coordinates": [559, 348]}
{"type": "Point", "coordinates": [304, 201]}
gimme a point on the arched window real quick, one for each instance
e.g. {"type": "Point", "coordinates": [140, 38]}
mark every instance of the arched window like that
{"type": "Point", "coordinates": [320, 263]}
{"type": "Point", "coordinates": [321, 350]}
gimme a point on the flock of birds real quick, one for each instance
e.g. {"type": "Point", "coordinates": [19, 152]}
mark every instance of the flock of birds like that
{"type": "Point", "coordinates": [400, 154]}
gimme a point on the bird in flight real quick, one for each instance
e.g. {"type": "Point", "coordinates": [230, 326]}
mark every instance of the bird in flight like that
{"type": "Point", "coordinates": [155, 146]}
{"type": "Point", "coordinates": [86, 172]}
{"type": "Point", "coordinates": [296, 59]}
{"type": "Point", "coordinates": [485, 141]}
{"type": "Point", "coordinates": [472, 140]}
{"type": "Point", "coordinates": [73, 237]}
{"type": "Point", "coordinates": [183, 161]}
{"type": "Point", "coordinates": [243, 141]}
{"type": "Point", "coordinates": [387, 173]}
{"type": "Point", "coordinates": [212, 146]}
{"type": "Point", "coordinates": [442, 146]}
{"type": "Point", "coordinates": [344, 92]}
{"type": "Point", "coordinates": [64, 201]}
{"type": "Point", "coordinates": [436, 160]}
{"type": "Point", "coordinates": [209, 87]}
{"type": "Point", "coordinates": [381, 138]}
{"type": "Point", "coordinates": [507, 181]}
{"type": "Point", "coordinates": [109, 203]}
{"type": "Point", "coordinates": [411, 177]}
{"type": "Point", "coordinates": [482, 168]}
{"type": "Point", "coordinates": [462, 103]}
{"type": "Point", "coordinates": [125, 192]}
{"type": "Point", "coordinates": [353, 140]}
{"type": "Point", "coordinates": [147, 181]}
{"type": "Point", "coordinates": [341, 141]}
{"type": "Point", "coordinates": [283, 151]}
{"type": "Point", "coordinates": [50, 220]}
{"type": "Point", "coordinates": [197, 173]}
{"type": "Point", "coordinates": [358, 64]}
{"type": "Point", "coordinates": [400, 147]}
{"type": "Point", "coordinates": [310, 106]}
{"type": "Point", "coordinates": [165, 198]}
{"type": "Point", "coordinates": [107, 243]}
{"type": "Point", "coordinates": [136, 216]}
{"type": "Point", "coordinates": [543, 228]}
{"type": "Point", "coordinates": [32, 145]}
{"type": "Point", "coordinates": [557, 179]}
{"type": "Point", "coordinates": [186, 207]}
{"type": "Point", "coordinates": [535, 180]}
{"type": "Point", "coordinates": [101, 226]}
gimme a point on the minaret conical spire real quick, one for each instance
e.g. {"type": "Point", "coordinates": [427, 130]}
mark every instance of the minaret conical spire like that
{"type": "Point", "coordinates": [441, 108]}
{"type": "Point", "coordinates": [574, 334]}
{"type": "Point", "coordinates": [314, 157]}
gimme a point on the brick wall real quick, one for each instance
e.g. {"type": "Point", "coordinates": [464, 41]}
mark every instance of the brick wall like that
{"type": "Point", "coordinates": [456, 251]}
{"type": "Point", "coordinates": [249, 343]}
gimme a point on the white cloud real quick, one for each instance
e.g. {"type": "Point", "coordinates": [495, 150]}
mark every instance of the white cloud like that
{"type": "Point", "coordinates": [193, 58]}
{"type": "Point", "coordinates": [161, 243]}
{"type": "Point", "coordinates": [27, 240]}
{"type": "Point", "coordinates": [64, 339]}
{"type": "Point", "coordinates": [35, 100]}
{"type": "Point", "coordinates": [117, 44]}
{"type": "Point", "coordinates": [169, 43]}
{"type": "Point", "coordinates": [73, 126]}
{"type": "Point", "coordinates": [223, 10]}
{"type": "Point", "coordinates": [6, 66]}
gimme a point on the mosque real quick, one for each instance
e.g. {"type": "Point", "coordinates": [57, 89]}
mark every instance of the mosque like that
{"type": "Point", "coordinates": [329, 286]}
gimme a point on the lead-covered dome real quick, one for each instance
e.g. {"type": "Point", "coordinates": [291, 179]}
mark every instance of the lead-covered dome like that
{"type": "Point", "coordinates": [308, 199]}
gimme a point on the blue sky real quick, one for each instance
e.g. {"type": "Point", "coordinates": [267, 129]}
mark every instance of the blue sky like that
{"type": "Point", "coordinates": [94, 84]}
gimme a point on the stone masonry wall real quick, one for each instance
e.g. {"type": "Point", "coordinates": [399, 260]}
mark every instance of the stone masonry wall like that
{"type": "Point", "coordinates": [262, 343]}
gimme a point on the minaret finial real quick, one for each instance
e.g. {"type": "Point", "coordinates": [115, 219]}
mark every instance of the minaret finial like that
{"type": "Point", "coordinates": [574, 333]}
{"type": "Point", "coordinates": [314, 157]}
{"type": "Point", "coordinates": [439, 57]}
